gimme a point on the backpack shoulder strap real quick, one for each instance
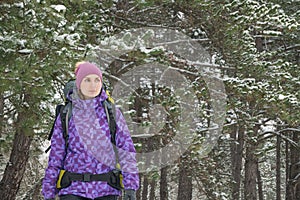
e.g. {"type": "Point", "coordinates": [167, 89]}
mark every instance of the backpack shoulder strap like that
{"type": "Point", "coordinates": [110, 109]}
{"type": "Point", "coordinates": [65, 115]}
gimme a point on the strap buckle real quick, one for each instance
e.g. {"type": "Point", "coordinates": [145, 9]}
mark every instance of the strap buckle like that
{"type": "Point", "coordinates": [87, 177]}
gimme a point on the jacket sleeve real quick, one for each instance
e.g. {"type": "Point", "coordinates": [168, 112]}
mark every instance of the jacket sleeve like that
{"type": "Point", "coordinates": [55, 161]}
{"type": "Point", "coordinates": [127, 153]}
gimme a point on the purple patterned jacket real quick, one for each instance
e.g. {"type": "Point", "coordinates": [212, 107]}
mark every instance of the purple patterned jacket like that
{"type": "Point", "coordinates": [90, 151]}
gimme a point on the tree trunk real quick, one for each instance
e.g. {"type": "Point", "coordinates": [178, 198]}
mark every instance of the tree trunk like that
{"type": "Point", "coordinates": [250, 191]}
{"type": "Point", "coordinates": [1, 114]}
{"type": "Point", "coordinates": [287, 170]}
{"type": "Point", "coordinates": [278, 168]}
{"type": "Point", "coordinates": [250, 174]}
{"type": "Point", "coordinates": [237, 145]}
{"type": "Point", "coordinates": [259, 184]}
{"type": "Point", "coordinates": [293, 184]}
{"type": "Point", "coordinates": [185, 186]}
{"type": "Point", "coordinates": [296, 164]}
{"type": "Point", "coordinates": [138, 192]}
{"type": "Point", "coordinates": [152, 191]}
{"type": "Point", "coordinates": [164, 183]}
{"type": "Point", "coordinates": [15, 168]}
{"type": "Point", "coordinates": [145, 188]}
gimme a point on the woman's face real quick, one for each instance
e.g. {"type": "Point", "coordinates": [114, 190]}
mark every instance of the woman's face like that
{"type": "Point", "coordinates": [91, 86]}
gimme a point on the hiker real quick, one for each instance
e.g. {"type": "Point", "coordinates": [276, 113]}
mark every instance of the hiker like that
{"type": "Point", "coordinates": [85, 164]}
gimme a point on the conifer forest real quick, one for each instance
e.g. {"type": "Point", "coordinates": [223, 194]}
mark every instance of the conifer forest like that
{"type": "Point", "coordinates": [210, 91]}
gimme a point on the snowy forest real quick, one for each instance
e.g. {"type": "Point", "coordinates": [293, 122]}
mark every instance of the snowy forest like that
{"type": "Point", "coordinates": [209, 89]}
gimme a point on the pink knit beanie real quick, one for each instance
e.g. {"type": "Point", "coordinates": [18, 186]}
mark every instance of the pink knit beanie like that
{"type": "Point", "coordinates": [84, 69]}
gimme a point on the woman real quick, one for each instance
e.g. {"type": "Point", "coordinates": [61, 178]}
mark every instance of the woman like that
{"type": "Point", "coordinates": [89, 157]}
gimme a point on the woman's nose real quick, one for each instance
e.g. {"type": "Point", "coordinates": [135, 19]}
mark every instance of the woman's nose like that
{"type": "Point", "coordinates": [95, 84]}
